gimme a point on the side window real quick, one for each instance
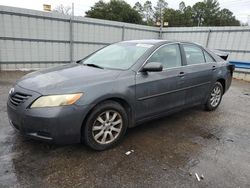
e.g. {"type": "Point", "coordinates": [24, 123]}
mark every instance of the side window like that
{"type": "Point", "coordinates": [194, 54]}
{"type": "Point", "coordinates": [208, 57]}
{"type": "Point", "coordinates": [168, 55]}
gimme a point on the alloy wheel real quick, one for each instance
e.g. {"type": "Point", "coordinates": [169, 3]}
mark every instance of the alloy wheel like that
{"type": "Point", "coordinates": [215, 96]}
{"type": "Point", "coordinates": [107, 127]}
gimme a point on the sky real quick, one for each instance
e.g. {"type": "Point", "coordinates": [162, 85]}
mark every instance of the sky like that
{"type": "Point", "coordinates": [240, 8]}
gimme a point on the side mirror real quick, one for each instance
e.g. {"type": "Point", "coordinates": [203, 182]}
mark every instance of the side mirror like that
{"type": "Point", "coordinates": [152, 67]}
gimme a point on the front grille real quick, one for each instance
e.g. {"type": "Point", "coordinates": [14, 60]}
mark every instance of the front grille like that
{"type": "Point", "coordinates": [18, 98]}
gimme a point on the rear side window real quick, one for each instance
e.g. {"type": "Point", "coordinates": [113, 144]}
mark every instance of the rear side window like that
{"type": "Point", "coordinates": [208, 57]}
{"type": "Point", "coordinates": [169, 56]}
{"type": "Point", "coordinates": [194, 54]}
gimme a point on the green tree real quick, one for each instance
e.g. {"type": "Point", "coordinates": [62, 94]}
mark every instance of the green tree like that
{"type": "Point", "coordinates": [182, 6]}
{"type": "Point", "coordinates": [169, 16]}
{"type": "Point", "coordinates": [204, 13]}
{"type": "Point", "coordinates": [212, 8]}
{"type": "Point", "coordinates": [117, 10]}
{"type": "Point", "coordinates": [226, 18]}
{"type": "Point", "coordinates": [148, 13]}
{"type": "Point", "coordinates": [160, 7]}
{"type": "Point", "coordinates": [173, 17]}
{"type": "Point", "coordinates": [208, 13]}
{"type": "Point", "coordinates": [199, 13]}
{"type": "Point", "coordinates": [179, 18]}
{"type": "Point", "coordinates": [186, 17]}
{"type": "Point", "coordinates": [139, 8]}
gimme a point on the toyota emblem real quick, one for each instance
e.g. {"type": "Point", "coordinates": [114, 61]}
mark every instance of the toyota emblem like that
{"type": "Point", "coordinates": [11, 91]}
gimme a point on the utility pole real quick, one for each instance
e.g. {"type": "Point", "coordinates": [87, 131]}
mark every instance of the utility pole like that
{"type": "Point", "coordinates": [161, 21]}
{"type": "Point", "coordinates": [72, 34]}
{"type": "Point", "coordinates": [73, 9]}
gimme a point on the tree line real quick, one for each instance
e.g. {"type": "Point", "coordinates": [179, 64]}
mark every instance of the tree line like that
{"type": "Point", "coordinates": [203, 13]}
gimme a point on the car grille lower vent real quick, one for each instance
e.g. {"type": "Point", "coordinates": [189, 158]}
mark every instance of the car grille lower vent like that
{"type": "Point", "coordinates": [18, 98]}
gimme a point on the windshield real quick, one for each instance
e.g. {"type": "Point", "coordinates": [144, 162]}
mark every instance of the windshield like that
{"type": "Point", "coordinates": [117, 56]}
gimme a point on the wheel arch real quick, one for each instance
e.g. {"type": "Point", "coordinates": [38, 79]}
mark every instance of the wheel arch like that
{"type": "Point", "coordinates": [123, 102]}
{"type": "Point", "coordinates": [223, 83]}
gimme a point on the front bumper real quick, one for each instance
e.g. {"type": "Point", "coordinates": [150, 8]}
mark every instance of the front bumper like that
{"type": "Point", "coordinates": [61, 125]}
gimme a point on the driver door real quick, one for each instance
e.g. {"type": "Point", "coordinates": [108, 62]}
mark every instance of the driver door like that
{"type": "Point", "coordinates": [158, 92]}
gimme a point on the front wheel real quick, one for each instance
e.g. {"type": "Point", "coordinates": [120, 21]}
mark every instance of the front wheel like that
{"type": "Point", "coordinates": [215, 97]}
{"type": "Point", "coordinates": [105, 126]}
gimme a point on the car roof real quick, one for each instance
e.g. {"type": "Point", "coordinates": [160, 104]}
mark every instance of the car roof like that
{"type": "Point", "coordinates": [156, 41]}
{"type": "Point", "coordinates": [146, 41]}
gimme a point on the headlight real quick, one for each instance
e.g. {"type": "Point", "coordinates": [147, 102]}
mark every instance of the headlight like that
{"type": "Point", "coordinates": [56, 100]}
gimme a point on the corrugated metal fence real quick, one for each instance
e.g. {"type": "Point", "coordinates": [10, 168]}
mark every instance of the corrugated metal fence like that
{"type": "Point", "coordinates": [33, 39]}
{"type": "Point", "coordinates": [235, 40]}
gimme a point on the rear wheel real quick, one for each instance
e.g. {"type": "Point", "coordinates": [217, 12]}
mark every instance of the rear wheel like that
{"type": "Point", "coordinates": [105, 126]}
{"type": "Point", "coordinates": [215, 97]}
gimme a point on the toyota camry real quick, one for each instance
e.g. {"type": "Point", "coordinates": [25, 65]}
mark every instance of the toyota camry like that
{"type": "Point", "coordinates": [97, 98]}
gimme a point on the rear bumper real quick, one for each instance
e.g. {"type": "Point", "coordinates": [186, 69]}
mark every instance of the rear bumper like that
{"type": "Point", "coordinates": [228, 82]}
{"type": "Point", "coordinates": [61, 125]}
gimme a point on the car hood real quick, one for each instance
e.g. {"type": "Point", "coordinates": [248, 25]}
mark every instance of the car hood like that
{"type": "Point", "coordinates": [66, 79]}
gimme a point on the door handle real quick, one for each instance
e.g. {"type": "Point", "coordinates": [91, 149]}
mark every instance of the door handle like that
{"type": "Point", "coordinates": [181, 74]}
{"type": "Point", "coordinates": [214, 67]}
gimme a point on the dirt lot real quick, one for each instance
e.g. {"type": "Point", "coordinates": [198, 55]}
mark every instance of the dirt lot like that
{"type": "Point", "coordinates": [167, 152]}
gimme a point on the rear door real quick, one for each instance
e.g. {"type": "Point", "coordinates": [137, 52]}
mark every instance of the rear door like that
{"type": "Point", "coordinates": [198, 73]}
{"type": "Point", "coordinates": [157, 92]}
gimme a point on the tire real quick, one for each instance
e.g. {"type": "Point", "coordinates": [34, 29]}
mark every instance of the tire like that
{"type": "Point", "coordinates": [106, 120]}
{"type": "Point", "coordinates": [214, 97]}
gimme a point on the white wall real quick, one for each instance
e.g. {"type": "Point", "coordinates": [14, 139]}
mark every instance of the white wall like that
{"type": "Point", "coordinates": [32, 39]}
{"type": "Point", "coordinates": [235, 40]}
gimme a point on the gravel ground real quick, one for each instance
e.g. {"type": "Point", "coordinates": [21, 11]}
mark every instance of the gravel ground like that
{"type": "Point", "coordinates": [167, 152]}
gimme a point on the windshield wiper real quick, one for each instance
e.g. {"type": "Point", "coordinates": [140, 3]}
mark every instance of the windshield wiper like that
{"type": "Point", "coordinates": [93, 65]}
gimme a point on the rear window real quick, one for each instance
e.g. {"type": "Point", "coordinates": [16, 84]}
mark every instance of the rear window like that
{"type": "Point", "coordinates": [194, 54]}
{"type": "Point", "coordinates": [208, 57]}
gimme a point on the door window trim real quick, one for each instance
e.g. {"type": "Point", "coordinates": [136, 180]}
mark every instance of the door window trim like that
{"type": "Point", "coordinates": [193, 44]}
{"type": "Point", "coordinates": [203, 50]}
{"type": "Point", "coordinates": [145, 62]}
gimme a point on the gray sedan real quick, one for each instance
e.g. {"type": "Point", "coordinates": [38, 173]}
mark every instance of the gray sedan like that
{"type": "Point", "coordinates": [122, 85]}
